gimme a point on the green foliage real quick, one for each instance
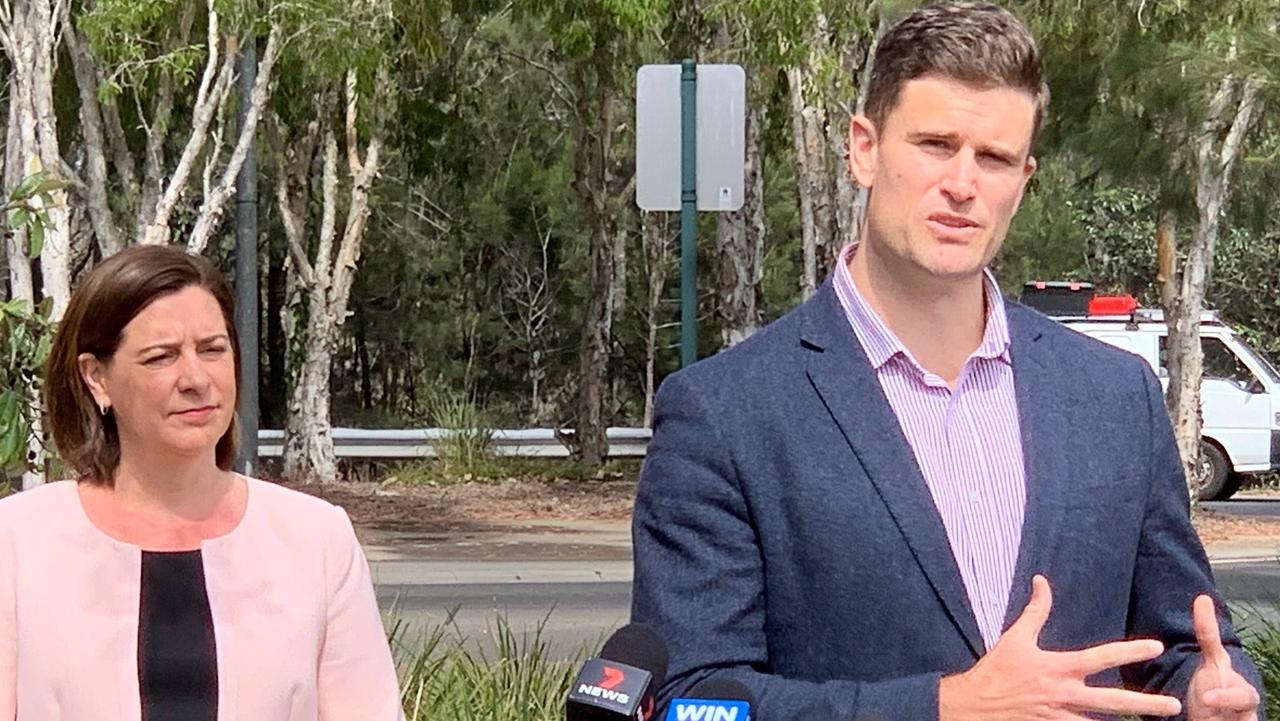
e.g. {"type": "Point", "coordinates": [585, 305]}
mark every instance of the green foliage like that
{"type": "Point", "coordinates": [25, 339]}
{"type": "Point", "coordinates": [445, 677]}
{"type": "Point", "coordinates": [464, 451]}
{"type": "Point", "coordinates": [138, 41]}
{"type": "Point", "coordinates": [1261, 636]}
{"type": "Point", "coordinates": [507, 468]}
{"type": "Point", "coordinates": [28, 207]}
{"type": "Point", "coordinates": [26, 334]}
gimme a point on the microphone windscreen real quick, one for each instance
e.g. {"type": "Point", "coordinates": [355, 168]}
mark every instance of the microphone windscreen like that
{"type": "Point", "coordinates": [638, 645]}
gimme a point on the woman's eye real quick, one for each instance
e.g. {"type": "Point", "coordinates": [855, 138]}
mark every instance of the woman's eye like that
{"type": "Point", "coordinates": [156, 360]}
{"type": "Point", "coordinates": [216, 350]}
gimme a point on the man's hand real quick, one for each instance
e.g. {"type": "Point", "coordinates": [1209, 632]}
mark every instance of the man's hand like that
{"type": "Point", "coordinates": [1216, 691]}
{"type": "Point", "coordinates": [1018, 681]}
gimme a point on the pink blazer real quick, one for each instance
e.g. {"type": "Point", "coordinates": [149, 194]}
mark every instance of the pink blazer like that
{"type": "Point", "coordinates": [296, 625]}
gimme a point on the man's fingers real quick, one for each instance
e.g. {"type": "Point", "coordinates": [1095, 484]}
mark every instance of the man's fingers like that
{"type": "Point", "coordinates": [1120, 701]}
{"type": "Point", "coordinates": [1235, 698]}
{"type": "Point", "coordinates": [1036, 612]}
{"type": "Point", "coordinates": [1092, 660]}
{"type": "Point", "coordinates": [1204, 617]}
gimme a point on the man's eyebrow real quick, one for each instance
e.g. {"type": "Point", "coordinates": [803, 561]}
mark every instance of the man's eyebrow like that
{"type": "Point", "coordinates": [932, 135]}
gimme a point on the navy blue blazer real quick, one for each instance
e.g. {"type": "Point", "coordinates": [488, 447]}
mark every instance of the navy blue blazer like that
{"type": "Point", "coordinates": [784, 535]}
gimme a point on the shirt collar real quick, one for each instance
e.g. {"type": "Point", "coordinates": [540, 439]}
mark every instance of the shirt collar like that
{"type": "Point", "coordinates": [881, 344]}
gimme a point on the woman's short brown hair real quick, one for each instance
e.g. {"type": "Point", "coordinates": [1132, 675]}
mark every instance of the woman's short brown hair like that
{"type": "Point", "coordinates": [109, 297]}
{"type": "Point", "coordinates": [978, 43]}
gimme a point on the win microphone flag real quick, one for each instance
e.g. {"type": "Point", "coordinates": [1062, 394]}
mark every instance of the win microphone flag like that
{"type": "Point", "coordinates": [715, 699]}
{"type": "Point", "coordinates": [622, 682]}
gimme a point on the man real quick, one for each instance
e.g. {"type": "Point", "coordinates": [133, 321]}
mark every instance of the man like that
{"type": "Point", "coordinates": [911, 499]}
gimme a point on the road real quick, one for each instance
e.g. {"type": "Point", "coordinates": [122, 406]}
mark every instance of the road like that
{"type": "Point", "coordinates": [574, 579]}
{"type": "Point", "coordinates": [580, 614]}
{"type": "Point", "coordinates": [1246, 505]}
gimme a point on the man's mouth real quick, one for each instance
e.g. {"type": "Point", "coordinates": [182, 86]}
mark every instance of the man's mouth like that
{"type": "Point", "coordinates": [952, 221]}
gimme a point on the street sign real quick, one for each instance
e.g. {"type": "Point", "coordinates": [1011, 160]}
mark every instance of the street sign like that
{"type": "Point", "coordinates": [720, 136]}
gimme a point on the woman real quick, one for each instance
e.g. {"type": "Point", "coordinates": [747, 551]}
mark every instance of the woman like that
{"type": "Point", "coordinates": [160, 585]}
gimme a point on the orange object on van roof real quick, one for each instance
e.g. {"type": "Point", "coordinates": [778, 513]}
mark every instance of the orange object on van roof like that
{"type": "Point", "coordinates": [1112, 305]}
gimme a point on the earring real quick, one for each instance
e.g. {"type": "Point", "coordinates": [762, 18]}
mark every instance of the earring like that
{"type": "Point", "coordinates": [103, 408]}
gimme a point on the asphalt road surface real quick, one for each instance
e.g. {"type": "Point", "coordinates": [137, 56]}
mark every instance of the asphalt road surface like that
{"type": "Point", "coordinates": [578, 616]}
{"type": "Point", "coordinates": [1246, 506]}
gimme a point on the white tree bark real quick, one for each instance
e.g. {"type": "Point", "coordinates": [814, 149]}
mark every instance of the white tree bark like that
{"type": "Point", "coordinates": [1218, 145]}
{"type": "Point", "coordinates": [215, 199]}
{"type": "Point", "coordinates": [808, 226]}
{"type": "Point", "coordinates": [30, 35]}
{"type": "Point", "coordinates": [326, 281]}
{"type": "Point", "coordinates": [659, 258]}
{"type": "Point", "coordinates": [215, 84]}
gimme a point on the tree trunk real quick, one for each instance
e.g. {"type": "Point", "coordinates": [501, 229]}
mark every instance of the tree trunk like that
{"type": "Point", "coordinates": [592, 156]}
{"type": "Point", "coordinates": [309, 456]}
{"type": "Point", "coordinates": [328, 278]}
{"type": "Point", "coordinates": [1217, 148]}
{"type": "Point", "coordinates": [740, 243]}
{"type": "Point", "coordinates": [95, 142]}
{"type": "Point", "coordinates": [808, 227]}
{"type": "Point", "coordinates": [858, 216]}
{"type": "Point", "coordinates": [30, 35]}
{"type": "Point", "coordinates": [273, 382]}
{"type": "Point", "coordinates": [658, 256]}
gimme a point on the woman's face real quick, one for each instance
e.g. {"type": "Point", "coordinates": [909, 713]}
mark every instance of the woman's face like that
{"type": "Point", "coordinates": [171, 384]}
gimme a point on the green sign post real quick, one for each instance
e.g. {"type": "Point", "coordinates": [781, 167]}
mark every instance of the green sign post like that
{"type": "Point", "coordinates": [688, 213]}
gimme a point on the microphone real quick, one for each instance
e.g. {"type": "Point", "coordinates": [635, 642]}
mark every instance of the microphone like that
{"type": "Point", "coordinates": [623, 681]}
{"type": "Point", "coordinates": [714, 699]}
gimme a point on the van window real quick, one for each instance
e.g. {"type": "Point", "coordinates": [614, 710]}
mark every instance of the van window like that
{"type": "Point", "coordinates": [1219, 361]}
{"type": "Point", "coordinates": [1267, 366]}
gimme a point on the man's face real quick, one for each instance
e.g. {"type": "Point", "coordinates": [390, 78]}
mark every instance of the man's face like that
{"type": "Point", "coordinates": [946, 174]}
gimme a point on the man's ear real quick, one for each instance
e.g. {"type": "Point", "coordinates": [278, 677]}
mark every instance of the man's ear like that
{"type": "Point", "coordinates": [863, 150]}
{"type": "Point", "coordinates": [1028, 170]}
{"type": "Point", "coordinates": [91, 371]}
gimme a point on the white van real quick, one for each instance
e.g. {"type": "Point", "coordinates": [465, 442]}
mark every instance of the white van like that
{"type": "Point", "coordinates": [1240, 391]}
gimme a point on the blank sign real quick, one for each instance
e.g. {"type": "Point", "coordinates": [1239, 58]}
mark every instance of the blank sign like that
{"type": "Point", "coordinates": [721, 136]}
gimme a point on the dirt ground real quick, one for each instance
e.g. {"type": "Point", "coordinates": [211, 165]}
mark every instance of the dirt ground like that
{"type": "Point", "coordinates": [399, 507]}
{"type": "Point", "coordinates": [425, 508]}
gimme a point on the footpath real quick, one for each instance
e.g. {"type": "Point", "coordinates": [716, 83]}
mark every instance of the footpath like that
{"type": "Point", "coordinates": [567, 551]}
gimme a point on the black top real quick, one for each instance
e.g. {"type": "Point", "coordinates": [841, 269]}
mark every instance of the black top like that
{"type": "Point", "coordinates": [177, 664]}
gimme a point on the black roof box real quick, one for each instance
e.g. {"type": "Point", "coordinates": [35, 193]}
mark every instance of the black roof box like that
{"type": "Point", "coordinates": [1058, 297]}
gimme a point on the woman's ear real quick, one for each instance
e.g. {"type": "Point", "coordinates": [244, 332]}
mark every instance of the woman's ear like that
{"type": "Point", "coordinates": [863, 147]}
{"type": "Point", "coordinates": [92, 372]}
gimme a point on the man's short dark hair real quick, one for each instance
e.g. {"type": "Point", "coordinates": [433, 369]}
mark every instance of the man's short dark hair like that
{"type": "Point", "coordinates": [977, 43]}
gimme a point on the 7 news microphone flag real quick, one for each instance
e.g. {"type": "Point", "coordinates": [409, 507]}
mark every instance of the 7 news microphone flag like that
{"type": "Point", "coordinates": [623, 681]}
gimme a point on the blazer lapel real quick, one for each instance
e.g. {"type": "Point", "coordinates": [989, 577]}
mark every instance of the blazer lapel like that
{"type": "Point", "coordinates": [841, 374]}
{"type": "Point", "coordinates": [1045, 399]}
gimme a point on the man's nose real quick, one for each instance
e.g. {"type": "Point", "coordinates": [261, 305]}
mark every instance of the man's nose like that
{"type": "Point", "coordinates": [960, 183]}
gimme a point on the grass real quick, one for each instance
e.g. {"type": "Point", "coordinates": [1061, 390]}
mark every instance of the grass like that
{"type": "Point", "coordinates": [502, 468]}
{"type": "Point", "coordinates": [444, 678]}
{"type": "Point", "coordinates": [1262, 640]}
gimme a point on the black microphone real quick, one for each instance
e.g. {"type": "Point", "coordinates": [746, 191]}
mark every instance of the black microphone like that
{"type": "Point", "coordinates": [623, 681]}
{"type": "Point", "coordinates": [713, 699]}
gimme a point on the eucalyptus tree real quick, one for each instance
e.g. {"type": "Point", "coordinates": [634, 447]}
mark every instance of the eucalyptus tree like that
{"type": "Point", "coordinates": [598, 42]}
{"type": "Point", "coordinates": [1167, 96]}
{"type": "Point", "coordinates": [135, 65]}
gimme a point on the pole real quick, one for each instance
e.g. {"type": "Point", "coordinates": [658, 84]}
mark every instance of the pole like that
{"type": "Point", "coordinates": [247, 270]}
{"type": "Point", "coordinates": [688, 213]}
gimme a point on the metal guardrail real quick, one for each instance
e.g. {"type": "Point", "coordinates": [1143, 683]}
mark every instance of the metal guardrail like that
{"type": "Point", "coordinates": [418, 443]}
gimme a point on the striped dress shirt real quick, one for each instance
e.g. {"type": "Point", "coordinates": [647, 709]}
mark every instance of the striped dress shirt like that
{"type": "Point", "coordinates": [967, 442]}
